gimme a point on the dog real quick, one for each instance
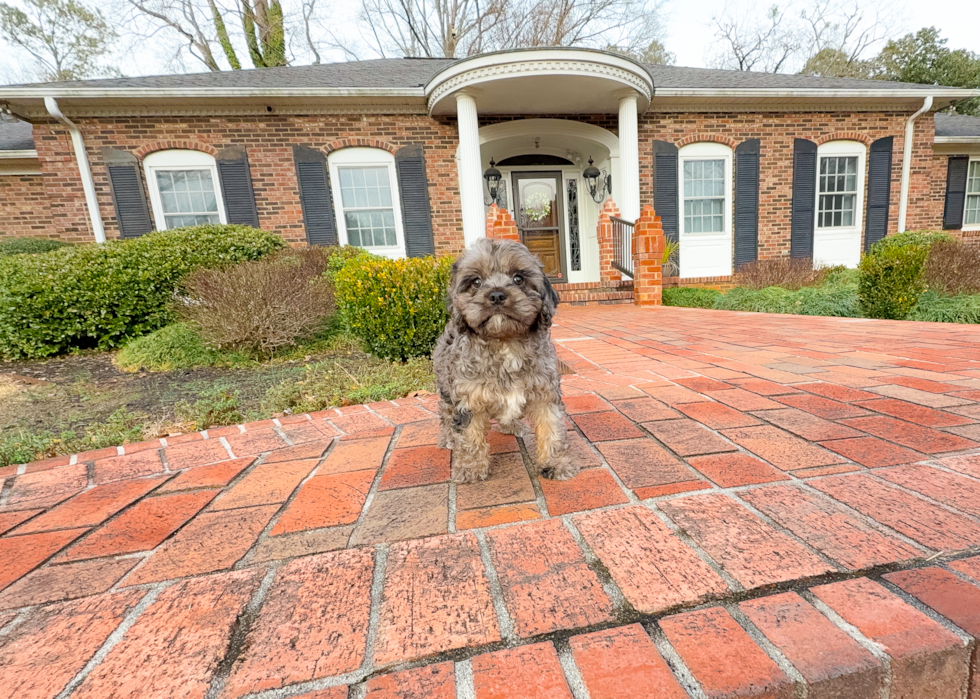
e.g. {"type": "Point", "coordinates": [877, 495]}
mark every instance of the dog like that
{"type": "Point", "coordinates": [495, 360]}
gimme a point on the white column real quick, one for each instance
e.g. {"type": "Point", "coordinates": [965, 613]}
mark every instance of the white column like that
{"type": "Point", "coordinates": [629, 159]}
{"type": "Point", "coordinates": [470, 169]}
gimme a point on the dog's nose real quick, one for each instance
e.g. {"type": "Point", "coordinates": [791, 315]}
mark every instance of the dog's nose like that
{"type": "Point", "coordinates": [497, 297]}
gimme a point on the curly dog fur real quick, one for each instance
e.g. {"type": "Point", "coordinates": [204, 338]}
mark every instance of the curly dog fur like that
{"type": "Point", "coordinates": [495, 360]}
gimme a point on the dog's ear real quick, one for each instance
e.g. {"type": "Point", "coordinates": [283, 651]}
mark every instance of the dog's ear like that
{"type": "Point", "coordinates": [549, 304]}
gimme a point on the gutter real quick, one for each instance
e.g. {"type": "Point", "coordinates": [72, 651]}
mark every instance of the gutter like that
{"type": "Point", "coordinates": [903, 201]}
{"type": "Point", "coordinates": [965, 140]}
{"type": "Point", "coordinates": [91, 200]}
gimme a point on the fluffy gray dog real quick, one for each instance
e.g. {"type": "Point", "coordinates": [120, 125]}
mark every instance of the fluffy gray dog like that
{"type": "Point", "coordinates": [495, 360]}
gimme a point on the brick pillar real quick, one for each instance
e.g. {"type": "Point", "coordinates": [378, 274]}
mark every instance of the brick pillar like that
{"type": "Point", "coordinates": [648, 252]}
{"type": "Point", "coordinates": [604, 234]}
{"type": "Point", "coordinates": [501, 225]}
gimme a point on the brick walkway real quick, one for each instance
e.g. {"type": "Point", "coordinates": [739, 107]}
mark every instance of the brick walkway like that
{"type": "Point", "coordinates": [767, 502]}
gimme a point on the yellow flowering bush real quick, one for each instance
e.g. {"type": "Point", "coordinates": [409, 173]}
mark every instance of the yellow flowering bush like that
{"type": "Point", "coordinates": [397, 308]}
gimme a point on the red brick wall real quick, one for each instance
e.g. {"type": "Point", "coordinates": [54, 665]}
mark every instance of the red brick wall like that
{"type": "Point", "coordinates": [269, 140]}
{"type": "Point", "coordinates": [776, 133]}
{"type": "Point", "coordinates": [23, 208]}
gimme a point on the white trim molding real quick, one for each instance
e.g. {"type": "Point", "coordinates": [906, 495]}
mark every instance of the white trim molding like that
{"type": "Point", "coordinates": [617, 71]}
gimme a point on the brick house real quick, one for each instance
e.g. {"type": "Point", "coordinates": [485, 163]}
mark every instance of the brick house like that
{"type": "Point", "coordinates": [392, 154]}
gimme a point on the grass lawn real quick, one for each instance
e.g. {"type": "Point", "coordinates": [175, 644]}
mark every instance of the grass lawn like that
{"type": "Point", "coordinates": [85, 401]}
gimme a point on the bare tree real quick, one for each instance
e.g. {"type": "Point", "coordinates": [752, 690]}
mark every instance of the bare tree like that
{"type": "Point", "coordinates": [839, 34]}
{"type": "Point", "coordinates": [65, 39]}
{"type": "Point", "coordinates": [454, 28]}
{"type": "Point", "coordinates": [206, 29]}
{"type": "Point", "coordinates": [747, 41]}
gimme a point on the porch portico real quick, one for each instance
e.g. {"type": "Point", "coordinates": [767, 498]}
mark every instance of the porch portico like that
{"type": "Point", "coordinates": [547, 153]}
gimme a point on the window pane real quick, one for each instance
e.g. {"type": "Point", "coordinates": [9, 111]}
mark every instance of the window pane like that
{"type": "Point", "coordinates": [367, 201]}
{"type": "Point", "coordinates": [973, 179]}
{"type": "Point", "coordinates": [704, 196]}
{"type": "Point", "coordinates": [838, 192]}
{"type": "Point", "coordinates": [972, 209]}
{"type": "Point", "coordinates": [187, 197]}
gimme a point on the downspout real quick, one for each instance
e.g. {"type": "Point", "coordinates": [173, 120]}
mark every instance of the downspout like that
{"type": "Point", "coordinates": [903, 201]}
{"type": "Point", "coordinates": [91, 200]}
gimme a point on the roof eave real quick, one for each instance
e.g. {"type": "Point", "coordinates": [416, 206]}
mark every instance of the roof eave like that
{"type": "Point", "coordinates": [17, 154]}
{"type": "Point", "coordinates": [958, 139]}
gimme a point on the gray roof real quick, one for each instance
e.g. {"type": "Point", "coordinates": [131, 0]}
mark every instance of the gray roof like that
{"type": "Point", "coordinates": [415, 72]}
{"type": "Point", "coordinates": [957, 125]}
{"type": "Point", "coordinates": [15, 134]}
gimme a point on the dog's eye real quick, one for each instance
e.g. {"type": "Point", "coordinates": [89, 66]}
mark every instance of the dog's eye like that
{"type": "Point", "coordinates": [477, 283]}
{"type": "Point", "coordinates": [518, 279]}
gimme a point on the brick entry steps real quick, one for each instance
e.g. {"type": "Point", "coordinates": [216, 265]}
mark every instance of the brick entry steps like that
{"type": "Point", "coordinates": [766, 504]}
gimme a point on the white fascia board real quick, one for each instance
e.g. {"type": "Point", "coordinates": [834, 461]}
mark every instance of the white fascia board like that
{"type": "Point", "coordinates": [17, 154]}
{"type": "Point", "coordinates": [205, 92]}
{"type": "Point", "coordinates": [957, 139]}
{"type": "Point", "coordinates": [819, 93]}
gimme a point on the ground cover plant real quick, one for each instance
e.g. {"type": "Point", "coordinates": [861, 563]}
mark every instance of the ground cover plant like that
{"type": "Point", "coordinates": [917, 275]}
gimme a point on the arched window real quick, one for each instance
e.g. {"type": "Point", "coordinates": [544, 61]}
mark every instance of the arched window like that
{"type": "Point", "coordinates": [705, 196]}
{"type": "Point", "coordinates": [840, 200]}
{"type": "Point", "coordinates": [365, 195]}
{"type": "Point", "coordinates": [184, 189]}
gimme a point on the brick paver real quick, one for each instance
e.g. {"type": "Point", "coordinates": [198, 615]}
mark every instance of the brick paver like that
{"type": "Point", "coordinates": [718, 451]}
{"type": "Point", "coordinates": [927, 659]}
{"type": "Point", "coordinates": [546, 583]}
{"type": "Point", "coordinates": [313, 624]}
{"type": "Point", "coordinates": [176, 644]}
{"type": "Point", "coordinates": [723, 658]}
{"type": "Point", "coordinates": [610, 661]}
{"type": "Point", "coordinates": [437, 597]}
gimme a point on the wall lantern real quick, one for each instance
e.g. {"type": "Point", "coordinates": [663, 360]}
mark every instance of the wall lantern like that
{"type": "Point", "coordinates": [598, 183]}
{"type": "Point", "coordinates": [492, 177]}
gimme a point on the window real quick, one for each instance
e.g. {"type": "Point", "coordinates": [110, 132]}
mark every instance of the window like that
{"type": "Point", "coordinates": [705, 199]}
{"type": "Point", "coordinates": [837, 187]}
{"type": "Point", "coordinates": [366, 199]}
{"type": "Point", "coordinates": [971, 217]}
{"type": "Point", "coordinates": [184, 188]}
{"type": "Point", "coordinates": [704, 196]}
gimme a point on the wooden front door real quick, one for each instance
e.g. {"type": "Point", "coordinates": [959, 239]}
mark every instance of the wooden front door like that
{"type": "Point", "coordinates": [540, 219]}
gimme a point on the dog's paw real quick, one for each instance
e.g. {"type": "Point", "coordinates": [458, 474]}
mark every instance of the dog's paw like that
{"type": "Point", "coordinates": [518, 428]}
{"type": "Point", "coordinates": [467, 475]}
{"type": "Point", "coordinates": [560, 471]}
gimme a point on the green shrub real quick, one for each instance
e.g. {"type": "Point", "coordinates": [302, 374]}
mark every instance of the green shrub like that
{"type": "Point", "coordinates": [92, 295]}
{"type": "Point", "coordinates": [28, 246]}
{"type": "Point", "coordinates": [690, 297]}
{"type": "Point", "coordinates": [828, 300]}
{"type": "Point", "coordinates": [964, 308]}
{"type": "Point", "coordinates": [175, 346]}
{"type": "Point", "coordinates": [396, 308]}
{"type": "Point", "coordinates": [918, 239]}
{"type": "Point", "coordinates": [891, 280]}
{"type": "Point", "coordinates": [340, 255]}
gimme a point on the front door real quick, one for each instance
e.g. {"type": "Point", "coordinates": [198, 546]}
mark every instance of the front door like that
{"type": "Point", "coordinates": [540, 219]}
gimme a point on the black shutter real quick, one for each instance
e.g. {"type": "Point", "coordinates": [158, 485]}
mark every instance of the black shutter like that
{"type": "Point", "coordinates": [128, 195]}
{"type": "Point", "coordinates": [315, 196]}
{"type": "Point", "coordinates": [665, 186]}
{"type": "Point", "coordinates": [414, 190]}
{"type": "Point", "coordinates": [236, 186]}
{"type": "Point", "coordinates": [746, 201]}
{"type": "Point", "coordinates": [804, 198]}
{"type": "Point", "coordinates": [955, 192]}
{"type": "Point", "coordinates": [879, 191]}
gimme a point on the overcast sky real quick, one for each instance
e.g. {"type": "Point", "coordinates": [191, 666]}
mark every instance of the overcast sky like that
{"type": "Point", "coordinates": [688, 34]}
{"type": "Point", "coordinates": [689, 37]}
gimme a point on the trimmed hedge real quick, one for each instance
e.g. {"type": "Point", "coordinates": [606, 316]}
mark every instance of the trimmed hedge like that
{"type": "Point", "coordinates": [91, 295]}
{"type": "Point", "coordinates": [690, 297]}
{"type": "Point", "coordinates": [28, 246]}
{"type": "Point", "coordinates": [396, 308]}
{"type": "Point", "coordinates": [891, 278]}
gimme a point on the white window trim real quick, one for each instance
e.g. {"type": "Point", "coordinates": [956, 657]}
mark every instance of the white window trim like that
{"type": "Point", "coordinates": [179, 160]}
{"type": "Point", "coordinates": [966, 196]}
{"type": "Point", "coordinates": [367, 157]}
{"type": "Point", "coordinates": [833, 149]}
{"type": "Point", "coordinates": [706, 151]}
